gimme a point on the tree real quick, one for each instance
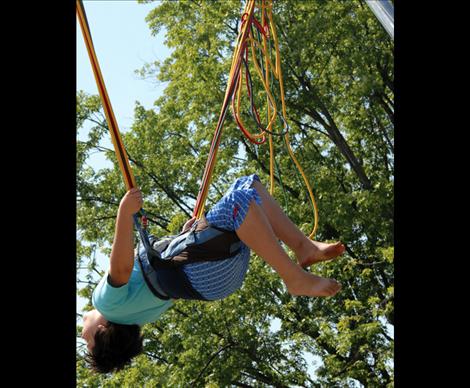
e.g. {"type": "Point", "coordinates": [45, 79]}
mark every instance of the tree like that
{"type": "Point", "coordinates": [338, 68]}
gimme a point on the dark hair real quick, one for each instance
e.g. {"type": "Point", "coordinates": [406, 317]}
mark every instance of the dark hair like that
{"type": "Point", "coordinates": [115, 346]}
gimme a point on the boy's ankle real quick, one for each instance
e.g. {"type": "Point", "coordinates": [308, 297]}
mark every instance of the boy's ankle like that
{"type": "Point", "coordinates": [300, 246]}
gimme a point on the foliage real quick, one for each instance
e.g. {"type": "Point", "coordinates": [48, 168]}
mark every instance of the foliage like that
{"type": "Point", "coordinates": [337, 63]}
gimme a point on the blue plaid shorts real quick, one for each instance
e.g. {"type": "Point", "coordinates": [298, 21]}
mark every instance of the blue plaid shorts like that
{"type": "Point", "coordinates": [218, 279]}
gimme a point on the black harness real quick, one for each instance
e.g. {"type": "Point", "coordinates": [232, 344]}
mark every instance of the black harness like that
{"type": "Point", "coordinates": [166, 256]}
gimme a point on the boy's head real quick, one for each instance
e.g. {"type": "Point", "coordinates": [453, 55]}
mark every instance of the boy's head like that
{"type": "Point", "coordinates": [110, 345]}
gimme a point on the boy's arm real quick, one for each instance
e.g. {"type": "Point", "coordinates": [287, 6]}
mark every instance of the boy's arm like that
{"type": "Point", "coordinates": [122, 252]}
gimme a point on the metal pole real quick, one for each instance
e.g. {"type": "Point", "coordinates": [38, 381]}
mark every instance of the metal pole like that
{"type": "Point", "coordinates": [383, 10]}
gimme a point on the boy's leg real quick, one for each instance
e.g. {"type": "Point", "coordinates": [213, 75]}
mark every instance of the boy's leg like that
{"type": "Point", "coordinates": [256, 233]}
{"type": "Point", "coordinates": [307, 251]}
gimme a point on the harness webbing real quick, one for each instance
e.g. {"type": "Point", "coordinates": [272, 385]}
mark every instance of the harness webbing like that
{"type": "Point", "coordinates": [121, 153]}
{"type": "Point", "coordinates": [119, 149]}
{"type": "Point", "coordinates": [234, 71]}
{"type": "Point", "coordinates": [266, 31]}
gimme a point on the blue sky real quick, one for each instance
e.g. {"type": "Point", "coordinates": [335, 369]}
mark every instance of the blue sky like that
{"type": "Point", "coordinates": [123, 44]}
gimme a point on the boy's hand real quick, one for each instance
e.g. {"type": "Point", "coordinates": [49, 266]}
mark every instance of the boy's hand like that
{"type": "Point", "coordinates": [188, 224]}
{"type": "Point", "coordinates": [132, 202]}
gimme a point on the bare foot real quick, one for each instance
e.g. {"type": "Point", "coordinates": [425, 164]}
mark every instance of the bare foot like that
{"type": "Point", "coordinates": [307, 284]}
{"type": "Point", "coordinates": [312, 252]}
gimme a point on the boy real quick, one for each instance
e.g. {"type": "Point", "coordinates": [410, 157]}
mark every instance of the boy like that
{"type": "Point", "coordinates": [123, 301]}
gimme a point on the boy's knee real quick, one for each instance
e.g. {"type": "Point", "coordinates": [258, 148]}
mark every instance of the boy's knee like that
{"type": "Point", "coordinates": [258, 185]}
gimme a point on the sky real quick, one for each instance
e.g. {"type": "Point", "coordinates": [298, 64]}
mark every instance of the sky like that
{"type": "Point", "coordinates": [123, 44]}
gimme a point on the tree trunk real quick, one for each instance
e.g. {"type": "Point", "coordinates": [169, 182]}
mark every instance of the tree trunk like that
{"type": "Point", "coordinates": [330, 126]}
{"type": "Point", "coordinates": [343, 146]}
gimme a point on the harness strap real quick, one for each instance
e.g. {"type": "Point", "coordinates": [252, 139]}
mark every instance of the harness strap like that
{"type": "Point", "coordinates": [172, 279]}
{"type": "Point", "coordinates": [119, 149]}
{"type": "Point", "coordinates": [144, 237]}
{"type": "Point", "coordinates": [152, 284]}
{"type": "Point", "coordinates": [262, 44]}
{"type": "Point", "coordinates": [234, 71]}
{"type": "Point", "coordinates": [203, 242]}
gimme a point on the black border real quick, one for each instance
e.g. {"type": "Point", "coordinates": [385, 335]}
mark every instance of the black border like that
{"type": "Point", "coordinates": [428, 254]}
{"type": "Point", "coordinates": [39, 191]}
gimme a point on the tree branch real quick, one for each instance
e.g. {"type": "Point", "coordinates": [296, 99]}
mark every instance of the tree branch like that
{"type": "Point", "coordinates": [331, 128]}
{"type": "Point", "coordinates": [97, 199]}
{"type": "Point", "coordinates": [208, 363]}
{"type": "Point", "coordinates": [169, 192]}
{"type": "Point", "coordinates": [300, 125]}
{"type": "Point", "coordinates": [155, 357]}
{"type": "Point", "coordinates": [240, 384]}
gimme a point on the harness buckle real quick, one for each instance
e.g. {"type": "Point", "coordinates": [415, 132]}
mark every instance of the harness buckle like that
{"type": "Point", "coordinates": [144, 221]}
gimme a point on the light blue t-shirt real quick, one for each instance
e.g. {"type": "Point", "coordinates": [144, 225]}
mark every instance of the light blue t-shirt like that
{"type": "Point", "coordinates": [132, 303]}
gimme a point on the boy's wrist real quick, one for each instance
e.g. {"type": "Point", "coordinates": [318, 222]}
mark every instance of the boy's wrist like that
{"type": "Point", "coordinates": [123, 212]}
